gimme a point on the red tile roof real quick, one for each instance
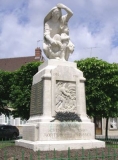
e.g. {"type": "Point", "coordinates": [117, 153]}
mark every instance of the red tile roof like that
{"type": "Point", "coordinates": [12, 64]}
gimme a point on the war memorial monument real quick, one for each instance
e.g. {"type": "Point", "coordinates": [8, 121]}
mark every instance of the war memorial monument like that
{"type": "Point", "coordinates": [58, 118]}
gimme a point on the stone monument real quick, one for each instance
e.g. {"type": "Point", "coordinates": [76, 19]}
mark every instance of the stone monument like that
{"type": "Point", "coordinates": [58, 116]}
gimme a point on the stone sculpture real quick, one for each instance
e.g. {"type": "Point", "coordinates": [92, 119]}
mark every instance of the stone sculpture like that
{"type": "Point", "coordinates": [58, 116]}
{"type": "Point", "coordinates": [57, 43]}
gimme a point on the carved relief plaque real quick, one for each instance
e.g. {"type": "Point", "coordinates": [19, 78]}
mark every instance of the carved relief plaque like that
{"type": "Point", "coordinates": [65, 96]}
{"type": "Point", "coordinates": [36, 104]}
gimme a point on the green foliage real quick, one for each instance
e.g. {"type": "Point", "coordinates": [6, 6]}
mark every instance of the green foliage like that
{"type": "Point", "coordinates": [101, 87]}
{"type": "Point", "coordinates": [21, 89]}
{"type": "Point", "coordinates": [5, 84]}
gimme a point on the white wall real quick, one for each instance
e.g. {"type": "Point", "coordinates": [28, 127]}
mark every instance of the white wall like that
{"type": "Point", "coordinates": [11, 120]}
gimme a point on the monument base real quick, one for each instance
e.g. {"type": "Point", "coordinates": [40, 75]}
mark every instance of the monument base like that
{"type": "Point", "coordinates": [59, 135]}
{"type": "Point", "coordinates": [60, 145]}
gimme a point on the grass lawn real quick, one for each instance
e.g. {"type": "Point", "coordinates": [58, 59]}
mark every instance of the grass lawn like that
{"type": "Point", "coordinates": [4, 143]}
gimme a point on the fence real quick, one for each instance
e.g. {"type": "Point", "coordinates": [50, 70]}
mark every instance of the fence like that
{"type": "Point", "coordinates": [108, 153]}
{"type": "Point", "coordinates": [89, 155]}
{"type": "Point", "coordinates": [110, 142]}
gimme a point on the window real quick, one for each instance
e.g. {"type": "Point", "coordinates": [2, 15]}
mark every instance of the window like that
{"type": "Point", "coordinates": [6, 119]}
{"type": "Point", "coordinates": [113, 123]}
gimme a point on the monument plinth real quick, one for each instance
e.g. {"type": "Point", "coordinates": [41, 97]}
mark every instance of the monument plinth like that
{"type": "Point", "coordinates": [58, 87]}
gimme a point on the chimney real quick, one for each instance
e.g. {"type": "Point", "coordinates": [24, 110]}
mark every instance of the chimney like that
{"type": "Point", "coordinates": [38, 53]}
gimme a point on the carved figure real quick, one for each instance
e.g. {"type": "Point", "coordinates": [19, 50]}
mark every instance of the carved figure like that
{"type": "Point", "coordinates": [65, 96]}
{"type": "Point", "coordinates": [57, 44]}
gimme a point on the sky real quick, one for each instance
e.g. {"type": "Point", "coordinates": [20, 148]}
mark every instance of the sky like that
{"type": "Point", "coordinates": [93, 27]}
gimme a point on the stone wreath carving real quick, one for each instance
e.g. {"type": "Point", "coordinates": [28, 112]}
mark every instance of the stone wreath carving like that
{"type": "Point", "coordinates": [66, 116]}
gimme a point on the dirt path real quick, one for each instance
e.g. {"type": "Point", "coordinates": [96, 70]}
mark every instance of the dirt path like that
{"type": "Point", "coordinates": [20, 152]}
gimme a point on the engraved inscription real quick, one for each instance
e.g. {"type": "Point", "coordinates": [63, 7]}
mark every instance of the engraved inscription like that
{"type": "Point", "coordinates": [36, 104]}
{"type": "Point", "coordinates": [65, 97]}
{"type": "Point", "coordinates": [67, 135]}
{"type": "Point", "coordinates": [67, 131]}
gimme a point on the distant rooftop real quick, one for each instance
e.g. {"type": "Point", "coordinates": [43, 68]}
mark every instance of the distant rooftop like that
{"type": "Point", "coordinates": [12, 64]}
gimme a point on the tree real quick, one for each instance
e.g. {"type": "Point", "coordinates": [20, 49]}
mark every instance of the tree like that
{"type": "Point", "coordinates": [21, 89]}
{"type": "Point", "coordinates": [101, 88]}
{"type": "Point", "coordinates": [5, 84]}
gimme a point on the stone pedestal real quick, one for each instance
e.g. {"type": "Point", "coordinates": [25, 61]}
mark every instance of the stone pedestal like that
{"type": "Point", "coordinates": [58, 86]}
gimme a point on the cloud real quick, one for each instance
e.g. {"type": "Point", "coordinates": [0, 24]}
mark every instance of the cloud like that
{"type": "Point", "coordinates": [94, 24]}
{"type": "Point", "coordinates": [113, 57]}
{"type": "Point", "coordinates": [18, 40]}
{"type": "Point", "coordinates": [89, 44]}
